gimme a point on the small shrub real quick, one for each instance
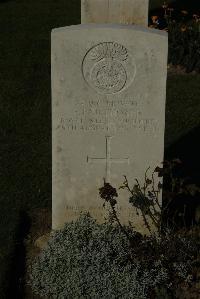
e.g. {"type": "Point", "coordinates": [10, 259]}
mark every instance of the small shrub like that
{"type": "Point", "coordinates": [91, 260]}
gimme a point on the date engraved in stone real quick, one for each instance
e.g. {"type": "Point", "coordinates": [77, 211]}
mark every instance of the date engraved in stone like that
{"type": "Point", "coordinates": [108, 68]}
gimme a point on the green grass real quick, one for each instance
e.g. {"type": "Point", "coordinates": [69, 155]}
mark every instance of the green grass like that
{"type": "Point", "coordinates": [25, 111]}
{"type": "Point", "coordinates": [183, 106]}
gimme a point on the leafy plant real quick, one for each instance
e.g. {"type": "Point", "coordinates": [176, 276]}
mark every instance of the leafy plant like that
{"type": "Point", "coordinates": [109, 194]}
{"type": "Point", "coordinates": [90, 260]}
{"type": "Point", "coordinates": [180, 196]}
{"type": "Point", "coordinates": [184, 36]}
{"type": "Point", "coordinates": [144, 198]}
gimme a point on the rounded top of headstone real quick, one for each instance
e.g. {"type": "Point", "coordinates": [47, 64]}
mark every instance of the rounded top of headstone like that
{"type": "Point", "coordinates": [110, 27]}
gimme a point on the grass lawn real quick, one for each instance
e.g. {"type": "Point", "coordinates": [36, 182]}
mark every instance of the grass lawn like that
{"type": "Point", "coordinates": [25, 114]}
{"type": "Point", "coordinates": [182, 106]}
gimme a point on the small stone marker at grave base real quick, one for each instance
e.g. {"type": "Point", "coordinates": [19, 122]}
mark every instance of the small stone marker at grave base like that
{"type": "Point", "coordinates": [115, 11]}
{"type": "Point", "coordinates": [108, 114]}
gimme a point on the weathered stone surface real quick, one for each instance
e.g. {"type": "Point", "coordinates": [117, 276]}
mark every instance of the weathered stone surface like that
{"type": "Point", "coordinates": [115, 11]}
{"type": "Point", "coordinates": [108, 114]}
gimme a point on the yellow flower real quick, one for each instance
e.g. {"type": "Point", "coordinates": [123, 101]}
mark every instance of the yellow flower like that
{"type": "Point", "coordinates": [183, 29]}
{"type": "Point", "coordinates": [184, 12]}
{"type": "Point", "coordinates": [154, 18]}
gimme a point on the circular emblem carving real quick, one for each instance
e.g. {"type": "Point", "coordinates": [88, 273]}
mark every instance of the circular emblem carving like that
{"type": "Point", "coordinates": [108, 68]}
{"type": "Point", "coordinates": [108, 76]}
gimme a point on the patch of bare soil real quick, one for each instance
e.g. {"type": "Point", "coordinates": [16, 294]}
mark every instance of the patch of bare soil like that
{"type": "Point", "coordinates": [36, 240]}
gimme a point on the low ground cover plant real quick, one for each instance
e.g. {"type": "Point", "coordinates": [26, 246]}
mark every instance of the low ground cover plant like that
{"type": "Point", "coordinates": [90, 260]}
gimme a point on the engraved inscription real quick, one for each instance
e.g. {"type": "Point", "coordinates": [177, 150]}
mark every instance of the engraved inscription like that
{"type": "Point", "coordinates": [100, 211]}
{"type": "Point", "coordinates": [108, 68]}
{"type": "Point", "coordinates": [107, 116]}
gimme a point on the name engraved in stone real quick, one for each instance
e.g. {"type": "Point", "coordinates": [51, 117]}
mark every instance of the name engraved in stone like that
{"type": "Point", "coordinates": [94, 210]}
{"type": "Point", "coordinates": [91, 208]}
{"type": "Point", "coordinates": [79, 208]}
{"type": "Point", "coordinates": [103, 116]}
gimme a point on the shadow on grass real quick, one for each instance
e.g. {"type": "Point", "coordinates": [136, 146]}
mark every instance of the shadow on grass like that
{"type": "Point", "coordinates": [3, 1]}
{"type": "Point", "coordinates": [16, 289]}
{"type": "Point", "coordinates": [187, 149]}
{"type": "Point", "coordinates": [183, 211]}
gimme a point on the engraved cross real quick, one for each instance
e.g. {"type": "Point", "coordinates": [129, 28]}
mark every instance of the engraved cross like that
{"type": "Point", "coordinates": [108, 160]}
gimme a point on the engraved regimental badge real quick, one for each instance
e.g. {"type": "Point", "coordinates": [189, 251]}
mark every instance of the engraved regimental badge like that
{"type": "Point", "coordinates": [108, 68]}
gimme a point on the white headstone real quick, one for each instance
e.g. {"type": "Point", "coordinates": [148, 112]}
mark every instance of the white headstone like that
{"type": "Point", "coordinates": [115, 11]}
{"type": "Point", "coordinates": [108, 113]}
